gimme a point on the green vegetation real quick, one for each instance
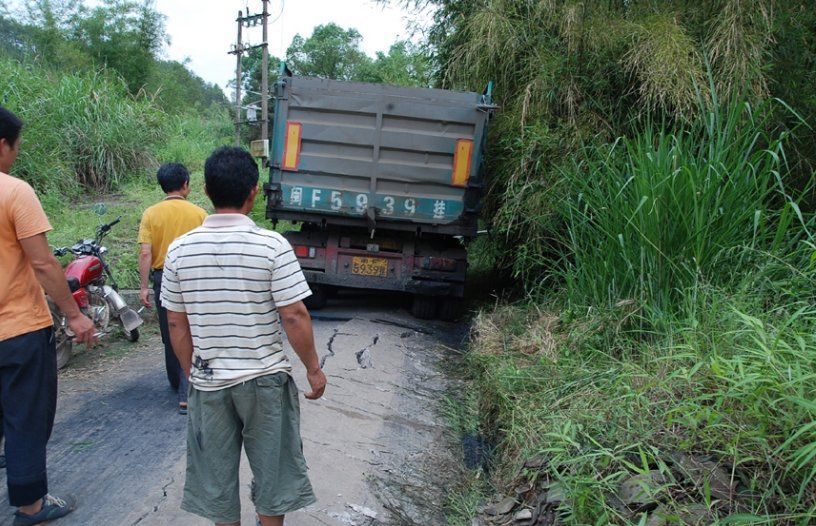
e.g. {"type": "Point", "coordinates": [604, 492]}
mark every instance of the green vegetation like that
{"type": "Point", "coordinates": [652, 197]}
{"type": "Point", "coordinates": [569, 74]}
{"type": "Point", "coordinates": [73, 140]}
{"type": "Point", "coordinates": [654, 218]}
{"type": "Point", "coordinates": [100, 109]}
{"type": "Point", "coordinates": [334, 53]}
{"type": "Point", "coordinates": [684, 324]}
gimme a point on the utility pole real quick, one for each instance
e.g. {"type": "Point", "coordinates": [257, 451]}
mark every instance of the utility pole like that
{"type": "Point", "coordinates": [265, 75]}
{"type": "Point", "coordinates": [238, 54]}
{"type": "Point", "coordinates": [261, 147]}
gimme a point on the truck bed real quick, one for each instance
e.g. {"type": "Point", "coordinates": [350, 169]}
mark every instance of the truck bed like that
{"type": "Point", "coordinates": [377, 156]}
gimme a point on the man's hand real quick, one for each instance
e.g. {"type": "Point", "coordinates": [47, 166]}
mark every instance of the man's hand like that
{"type": "Point", "coordinates": [298, 326]}
{"type": "Point", "coordinates": [83, 329]}
{"type": "Point", "coordinates": [144, 297]}
{"type": "Point", "coordinates": [317, 380]}
{"type": "Point", "coordinates": [181, 338]}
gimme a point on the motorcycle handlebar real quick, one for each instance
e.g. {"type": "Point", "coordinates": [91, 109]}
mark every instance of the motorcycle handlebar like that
{"type": "Point", "coordinates": [65, 250]}
{"type": "Point", "coordinates": [105, 228]}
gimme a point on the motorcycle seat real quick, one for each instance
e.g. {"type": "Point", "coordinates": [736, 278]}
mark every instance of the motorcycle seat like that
{"type": "Point", "coordinates": [73, 284]}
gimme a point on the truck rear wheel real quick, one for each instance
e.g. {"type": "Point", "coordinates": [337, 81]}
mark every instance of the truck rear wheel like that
{"type": "Point", "coordinates": [318, 298]}
{"type": "Point", "coordinates": [450, 309]}
{"type": "Point", "coordinates": [424, 307]}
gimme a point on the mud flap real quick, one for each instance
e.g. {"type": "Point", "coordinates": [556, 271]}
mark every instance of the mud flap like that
{"type": "Point", "coordinates": [130, 319]}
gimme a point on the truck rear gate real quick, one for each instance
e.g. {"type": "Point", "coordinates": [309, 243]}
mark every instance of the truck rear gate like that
{"type": "Point", "coordinates": [384, 179]}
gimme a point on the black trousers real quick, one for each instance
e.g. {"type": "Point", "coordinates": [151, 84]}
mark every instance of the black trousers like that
{"type": "Point", "coordinates": [175, 375]}
{"type": "Point", "coordinates": [28, 402]}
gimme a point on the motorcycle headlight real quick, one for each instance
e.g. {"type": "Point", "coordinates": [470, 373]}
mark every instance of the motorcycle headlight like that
{"type": "Point", "coordinates": [103, 250]}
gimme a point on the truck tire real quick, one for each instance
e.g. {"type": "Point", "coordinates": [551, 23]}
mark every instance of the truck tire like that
{"type": "Point", "coordinates": [424, 307]}
{"type": "Point", "coordinates": [450, 309]}
{"type": "Point", "coordinates": [318, 298]}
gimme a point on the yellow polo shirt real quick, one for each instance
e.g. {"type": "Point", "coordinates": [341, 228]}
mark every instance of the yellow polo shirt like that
{"type": "Point", "coordinates": [163, 222]}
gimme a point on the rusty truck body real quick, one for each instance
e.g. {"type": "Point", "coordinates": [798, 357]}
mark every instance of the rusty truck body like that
{"type": "Point", "coordinates": [384, 182]}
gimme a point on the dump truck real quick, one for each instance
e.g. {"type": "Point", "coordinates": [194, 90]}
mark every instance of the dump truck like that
{"type": "Point", "coordinates": [382, 184]}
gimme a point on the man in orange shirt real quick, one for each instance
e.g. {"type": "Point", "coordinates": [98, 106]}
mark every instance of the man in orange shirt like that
{"type": "Point", "coordinates": [28, 359]}
{"type": "Point", "coordinates": [161, 224]}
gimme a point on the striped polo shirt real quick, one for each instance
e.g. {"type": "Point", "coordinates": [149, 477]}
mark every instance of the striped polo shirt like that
{"type": "Point", "coordinates": [230, 276]}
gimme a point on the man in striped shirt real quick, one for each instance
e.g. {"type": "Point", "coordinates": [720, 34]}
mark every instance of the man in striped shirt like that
{"type": "Point", "coordinates": [229, 287]}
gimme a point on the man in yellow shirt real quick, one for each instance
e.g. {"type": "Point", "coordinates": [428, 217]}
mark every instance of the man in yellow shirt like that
{"type": "Point", "coordinates": [161, 224]}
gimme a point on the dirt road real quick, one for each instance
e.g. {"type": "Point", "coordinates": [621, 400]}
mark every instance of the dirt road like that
{"type": "Point", "coordinates": [377, 450]}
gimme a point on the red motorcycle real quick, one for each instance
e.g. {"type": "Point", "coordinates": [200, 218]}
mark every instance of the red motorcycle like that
{"type": "Point", "coordinates": [88, 276]}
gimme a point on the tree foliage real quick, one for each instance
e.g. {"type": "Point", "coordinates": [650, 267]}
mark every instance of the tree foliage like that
{"type": "Point", "coordinates": [330, 52]}
{"type": "Point", "coordinates": [333, 52]}
{"type": "Point", "coordinates": [405, 64]}
{"type": "Point", "coordinates": [124, 37]}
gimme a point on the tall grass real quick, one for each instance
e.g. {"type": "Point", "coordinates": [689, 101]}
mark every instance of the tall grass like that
{"type": "Point", "coordinates": [652, 217]}
{"type": "Point", "coordinates": [81, 129]}
{"type": "Point", "coordinates": [193, 136]}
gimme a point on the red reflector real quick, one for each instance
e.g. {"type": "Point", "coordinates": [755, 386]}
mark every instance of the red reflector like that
{"type": "Point", "coordinates": [81, 297]}
{"type": "Point", "coordinates": [443, 264]}
{"type": "Point", "coordinates": [305, 252]}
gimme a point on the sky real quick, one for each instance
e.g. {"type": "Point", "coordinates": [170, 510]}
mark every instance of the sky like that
{"type": "Point", "coordinates": [204, 30]}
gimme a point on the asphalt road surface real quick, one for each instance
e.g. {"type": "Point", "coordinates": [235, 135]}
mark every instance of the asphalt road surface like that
{"type": "Point", "coordinates": [377, 449]}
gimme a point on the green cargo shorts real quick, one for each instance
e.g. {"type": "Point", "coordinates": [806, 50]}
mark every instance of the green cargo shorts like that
{"type": "Point", "coordinates": [264, 415]}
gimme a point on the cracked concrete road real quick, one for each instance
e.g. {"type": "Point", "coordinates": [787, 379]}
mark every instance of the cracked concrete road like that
{"type": "Point", "coordinates": [377, 450]}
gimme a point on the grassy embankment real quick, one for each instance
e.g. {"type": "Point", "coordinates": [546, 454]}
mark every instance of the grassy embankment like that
{"type": "Point", "coordinates": [87, 141]}
{"type": "Point", "coordinates": [678, 318]}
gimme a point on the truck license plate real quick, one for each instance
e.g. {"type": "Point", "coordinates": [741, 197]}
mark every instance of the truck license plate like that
{"type": "Point", "coordinates": [369, 266]}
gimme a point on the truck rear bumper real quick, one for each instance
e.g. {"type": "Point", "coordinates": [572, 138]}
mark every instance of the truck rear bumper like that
{"type": "Point", "coordinates": [412, 286]}
{"type": "Point", "coordinates": [337, 259]}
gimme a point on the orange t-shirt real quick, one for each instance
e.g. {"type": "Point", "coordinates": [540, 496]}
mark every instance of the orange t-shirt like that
{"type": "Point", "coordinates": [23, 308]}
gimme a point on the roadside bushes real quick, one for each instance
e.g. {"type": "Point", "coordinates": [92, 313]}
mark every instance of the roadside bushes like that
{"type": "Point", "coordinates": [81, 129]}
{"type": "Point", "coordinates": [736, 397]}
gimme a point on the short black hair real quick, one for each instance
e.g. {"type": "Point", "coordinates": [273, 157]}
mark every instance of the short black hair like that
{"type": "Point", "coordinates": [230, 174]}
{"type": "Point", "coordinates": [10, 126]}
{"type": "Point", "coordinates": [172, 177]}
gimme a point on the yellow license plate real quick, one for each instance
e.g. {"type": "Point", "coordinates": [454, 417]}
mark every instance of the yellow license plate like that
{"type": "Point", "coordinates": [369, 266]}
